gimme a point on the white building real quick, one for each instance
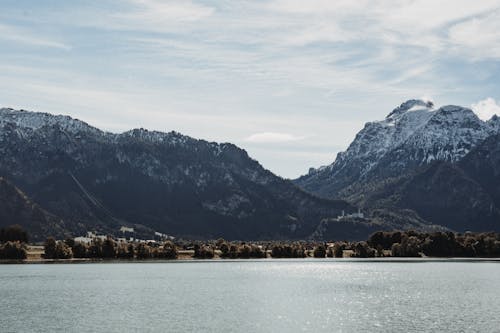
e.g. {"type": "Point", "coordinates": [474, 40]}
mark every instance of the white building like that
{"type": "Point", "coordinates": [358, 214]}
{"type": "Point", "coordinates": [126, 229]}
{"type": "Point", "coordinates": [83, 240]}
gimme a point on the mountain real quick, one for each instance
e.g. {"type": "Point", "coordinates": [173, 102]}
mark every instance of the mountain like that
{"type": "Point", "coordinates": [412, 135]}
{"type": "Point", "coordinates": [440, 193]}
{"type": "Point", "coordinates": [439, 163]}
{"type": "Point", "coordinates": [166, 182]}
{"type": "Point", "coordinates": [17, 208]}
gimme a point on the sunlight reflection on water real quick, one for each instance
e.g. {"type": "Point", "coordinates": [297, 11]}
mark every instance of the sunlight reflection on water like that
{"type": "Point", "coordinates": [244, 296]}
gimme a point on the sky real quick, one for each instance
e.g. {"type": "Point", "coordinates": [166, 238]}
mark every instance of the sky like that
{"type": "Point", "coordinates": [290, 81]}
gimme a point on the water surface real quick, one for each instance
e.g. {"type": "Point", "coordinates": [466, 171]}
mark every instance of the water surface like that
{"type": "Point", "coordinates": [251, 296]}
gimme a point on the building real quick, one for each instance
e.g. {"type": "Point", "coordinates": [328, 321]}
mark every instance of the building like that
{"type": "Point", "coordinates": [124, 229]}
{"type": "Point", "coordinates": [358, 215]}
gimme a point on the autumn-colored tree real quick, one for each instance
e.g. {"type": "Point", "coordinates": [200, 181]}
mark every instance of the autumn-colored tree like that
{"type": "Point", "coordinates": [319, 251]}
{"type": "Point", "coordinates": [13, 250]}
{"type": "Point", "coordinates": [50, 248]}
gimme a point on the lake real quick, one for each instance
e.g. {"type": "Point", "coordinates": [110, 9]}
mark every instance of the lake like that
{"type": "Point", "coordinates": [251, 296]}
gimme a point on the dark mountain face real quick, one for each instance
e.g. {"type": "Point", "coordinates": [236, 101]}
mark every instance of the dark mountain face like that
{"type": "Point", "coordinates": [442, 164]}
{"type": "Point", "coordinates": [440, 193]}
{"type": "Point", "coordinates": [483, 165]}
{"type": "Point", "coordinates": [164, 181]}
{"type": "Point", "coordinates": [16, 208]}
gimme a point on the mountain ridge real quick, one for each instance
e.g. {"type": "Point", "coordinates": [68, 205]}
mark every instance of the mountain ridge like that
{"type": "Point", "coordinates": [410, 136]}
{"type": "Point", "coordinates": [164, 181]}
{"type": "Point", "coordinates": [423, 159]}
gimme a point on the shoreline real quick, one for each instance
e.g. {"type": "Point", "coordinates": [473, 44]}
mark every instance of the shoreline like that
{"type": "Point", "coordinates": [220, 260]}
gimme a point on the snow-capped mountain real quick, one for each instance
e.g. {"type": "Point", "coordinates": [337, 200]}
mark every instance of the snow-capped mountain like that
{"type": "Point", "coordinates": [168, 182]}
{"type": "Point", "coordinates": [31, 121]}
{"type": "Point", "coordinates": [412, 135]}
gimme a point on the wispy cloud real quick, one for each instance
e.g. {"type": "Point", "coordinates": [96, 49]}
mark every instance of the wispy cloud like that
{"type": "Point", "coordinates": [486, 108]}
{"type": "Point", "coordinates": [24, 36]}
{"type": "Point", "coordinates": [158, 15]}
{"type": "Point", "coordinates": [274, 76]}
{"type": "Point", "coordinates": [479, 37]}
{"type": "Point", "coordinates": [273, 137]}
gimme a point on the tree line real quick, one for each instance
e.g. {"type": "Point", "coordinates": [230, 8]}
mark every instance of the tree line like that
{"type": "Point", "coordinates": [13, 241]}
{"type": "Point", "coordinates": [437, 244]}
{"type": "Point", "coordinates": [379, 244]}
{"type": "Point", "coordinates": [108, 249]}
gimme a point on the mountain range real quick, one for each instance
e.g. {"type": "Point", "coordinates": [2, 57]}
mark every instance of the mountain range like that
{"type": "Point", "coordinates": [421, 167]}
{"type": "Point", "coordinates": [152, 181]}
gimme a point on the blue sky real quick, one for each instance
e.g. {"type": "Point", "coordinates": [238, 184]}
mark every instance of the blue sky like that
{"type": "Point", "coordinates": [290, 81]}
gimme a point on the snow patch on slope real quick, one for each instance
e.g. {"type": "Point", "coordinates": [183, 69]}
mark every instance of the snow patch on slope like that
{"type": "Point", "coordinates": [37, 120]}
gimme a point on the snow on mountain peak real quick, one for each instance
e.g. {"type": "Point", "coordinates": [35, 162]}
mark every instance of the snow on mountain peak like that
{"type": "Point", "coordinates": [411, 105]}
{"type": "Point", "coordinates": [36, 120]}
{"type": "Point", "coordinates": [413, 134]}
{"type": "Point", "coordinates": [27, 122]}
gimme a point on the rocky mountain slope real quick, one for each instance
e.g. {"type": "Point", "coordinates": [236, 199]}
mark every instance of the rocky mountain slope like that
{"type": "Point", "coordinates": [440, 193]}
{"type": "Point", "coordinates": [483, 165]}
{"type": "Point", "coordinates": [412, 135]}
{"type": "Point", "coordinates": [168, 182]}
{"type": "Point", "coordinates": [17, 208]}
{"type": "Point", "coordinates": [440, 163]}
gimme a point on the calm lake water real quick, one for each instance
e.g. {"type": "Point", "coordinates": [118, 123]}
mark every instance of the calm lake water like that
{"type": "Point", "coordinates": [251, 296]}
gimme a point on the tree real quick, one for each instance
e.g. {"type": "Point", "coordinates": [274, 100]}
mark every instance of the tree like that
{"type": "Point", "coordinates": [56, 249]}
{"type": "Point", "coordinates": [396, 250]}
{"type": "Point", "coordinates": [295, 250]}
{"type": "Point", "coordinates": [338, 250]}
{"type": "Point", "coordinates": [410, 246]}
{"type": "Point", "coordinates": [13, 250]}
{"type": "Point", "coordinates": [109, 248]}
{"type": "Point", "coordinates": [95, 248]}
{"type": "Point", "coordinates": [384, 238]}
{"type": "Point", "coordinates": [203, 251]}
{"type": "Point", "coordinates": [233, 251]}
{"type": "Point", "coordinates": [13, 233]}
{"type": "Point", "coordinates": [362, 250]}
{"type": "Point", "coordinates": [168, 250]}
{"type": "Point", "coordinates": [80, 250]}
{"type": "Point", "coordinates": [319, 251]}
{"type": "Point", "coordinates": [257, 252]}
{"type": "Point", "coordinates": [131, 250]}
{"type": "Point", "coordinates": [63, 251]}
{"type": "Point", "coordinates": [70, 242]}
{"type": "Point", "coordinates": [50, 248]}
{"type": "Point", "coordinates": [143, 251]}
{"type": "Point", "coordinates": [219, 242]}
{"type": "Point", "coordinates": [439, 244]}
{"type": "Point", "coordinates": [244, 251]}
{"type": "Point", "coordinates": [224, 249]}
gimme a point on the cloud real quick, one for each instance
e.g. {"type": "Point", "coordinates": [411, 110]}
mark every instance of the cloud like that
{"type": "Point", "coordinates": [160, 16]}
{"type": "Point", "coordinates": [419, 23]}
{"type": "Point", "coordinates": [486, 108]}
{"type": "Point", "coordinates": [222, 70]}
{"type": "Point", "coordinates": [14, 34]}
{"type": "Point", "coordinates": [272, 137]}
{"type": "Point", "coordinates": [479, 37]}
